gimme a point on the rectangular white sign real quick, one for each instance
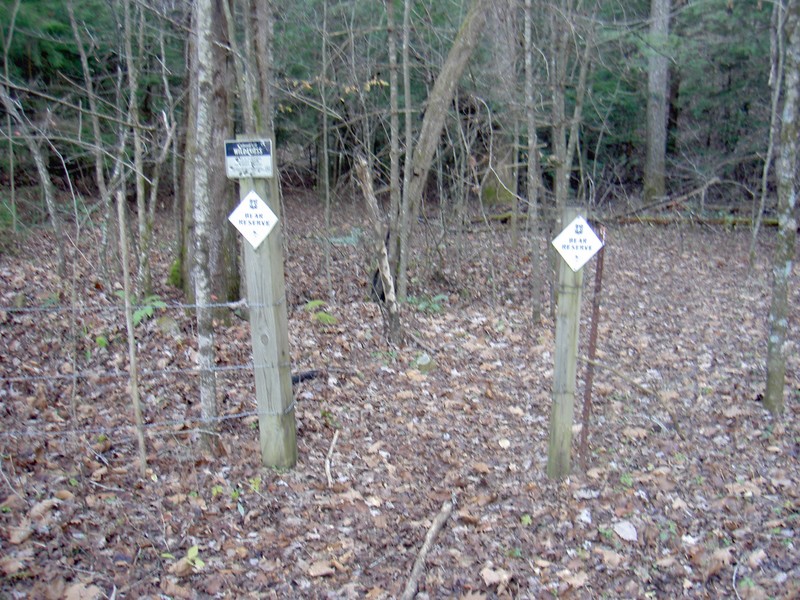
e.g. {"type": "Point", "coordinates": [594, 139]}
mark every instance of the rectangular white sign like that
{"type": "Point", "coordinates": [248, 159]}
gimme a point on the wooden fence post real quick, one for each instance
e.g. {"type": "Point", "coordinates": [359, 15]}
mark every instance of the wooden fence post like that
{"type": "Point", "coordinates": [269, 327]}
{"type": "Point", "coordinates": [566, 360]}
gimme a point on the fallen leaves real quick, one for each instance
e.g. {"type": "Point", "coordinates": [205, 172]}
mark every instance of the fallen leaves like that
{"type": "Point", "coordinates": [572, 579]}
{"type": "Point", "coordinates": [81, 591]}
{"type": "Point", "coordinates": [496, 577]}
{"type": "Point", "coordinates": [17, 534]}
{"type": "Point", "coordinates": [626, 531]}
{"type": "Point", "coordinates": [651, 514]}
{"type": "Point", "coordinates": [321, 568]}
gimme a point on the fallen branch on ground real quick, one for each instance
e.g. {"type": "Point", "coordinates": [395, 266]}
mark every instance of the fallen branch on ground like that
{"type": "Point", "coordinates": [419, 564]}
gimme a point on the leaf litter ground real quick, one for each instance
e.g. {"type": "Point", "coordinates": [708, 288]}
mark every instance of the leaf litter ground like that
{"type": "Point", "coordinates": [458, 412]}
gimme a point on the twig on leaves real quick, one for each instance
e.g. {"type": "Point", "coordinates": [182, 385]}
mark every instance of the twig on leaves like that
{"type": "Point", "coordinates": [733, 581]}
{"type": "Point", "coordinates": [106, 487]}
{"type": "Point", "coordinates": [419, 342]}
{"type": "Point", "coordinates": [328, 459]}
{"type": "Point", "coordinates": [419, 564]}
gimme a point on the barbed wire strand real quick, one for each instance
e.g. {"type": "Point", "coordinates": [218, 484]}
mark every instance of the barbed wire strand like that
{"type": "Point", "coordinates": [120, 308]}
{"type": "Point", "coordinates": [148, 427]}
{"type": "Point", "coordinates": [142, 373]}
{"type": "Point", "coordinates": [154, 428]}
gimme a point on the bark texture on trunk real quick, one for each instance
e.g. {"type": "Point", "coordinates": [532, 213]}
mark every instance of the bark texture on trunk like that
{"type": "Point", "coordinates": [787, 221]}
{"type": "Point", "coordinates": [657, 90]}
{"type": "Point", "coordinates": [203, 225]}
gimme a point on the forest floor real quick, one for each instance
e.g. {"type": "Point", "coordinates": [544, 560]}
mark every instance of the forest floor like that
{"type": "Point", "coordinates": [708, 510]}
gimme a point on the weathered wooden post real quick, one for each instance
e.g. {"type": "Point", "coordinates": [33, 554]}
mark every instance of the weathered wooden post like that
{"type": "Point", "coordinates": [577, 243]}
{"type": "Point", "coordinates": [250, 161]}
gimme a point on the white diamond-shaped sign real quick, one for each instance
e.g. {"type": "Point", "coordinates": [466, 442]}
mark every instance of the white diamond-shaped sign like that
{"type": "Point", "coordinates": [577, 243]}
{"type": "Point", "coordinates": [253, 218]}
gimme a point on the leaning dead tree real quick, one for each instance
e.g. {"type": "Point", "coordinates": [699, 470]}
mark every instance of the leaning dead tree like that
{"type": "Point", "coordinates": [438, 103]}
{"type": "Point", "coordinates": [379, 246]}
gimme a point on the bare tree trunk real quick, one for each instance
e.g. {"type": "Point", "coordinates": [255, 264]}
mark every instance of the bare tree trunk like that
{"type": "Point", "coordinates": [395, 193]}
{"type": "Point", "coordinates": [224, 241]}
{"type": "Point", "coordinates": [145, 279]}
{"type": "Point", "coordinates": [97, 150]}
{"type": "Point", "coordinates": [204, 29]}
{"type": "Point", "coordinates": [133, 375]}
{"type": "Point", "coordinates": [186, 249]}
{"type": "Point", "coordinates": [787, 221]}
{"type": "Point", "coordinates": [657, 88]}
{"type": "Point", "coordinates": [263, 11]}
{"type": "Point", "coordinates": [403, 235]}
{"type": "Point", "coordinates": [501, 185]}
{"type": "Point", "coordinates": [534, 178]}
{"type": "Point", "coordinates": [324, 167]}
{"type": "Point", "coordinates": [12, 174]}
{"type": "Point", "coordinates": [559, 43]}
{"type": "Point", "coordinates": [776, 81]}
{"type": "Point", "coordinates": [223, 245]}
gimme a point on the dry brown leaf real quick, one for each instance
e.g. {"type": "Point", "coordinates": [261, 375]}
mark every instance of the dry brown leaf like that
{"type": "Point", "coordinates": [747, 489]}
{"type": "Point", "coordinates": [756, 558]}
{"type": "Point", "coordinates": [635, 433]}
{"type": "Point", "coordinates": [467, 517]}
{"type": "Point", "coordinates": [64, 495]}
{"type": "Point", "coordinates": [321, 568]}
{"type": "Point", "coordinates": [172, 589]}
{"type": "Point", "coordinates": [575, 580]}
{"type": "Point", "coordinates": [20, 533]}
{"type": "Point", "coordinates": [98, 474]}
{"type": "Point", "coordinates": [731, 412]}
{"type": "Point", "coordinates": [595, 473]}
{"type": "Point", "coordinates": [198, 502]}
{"type": "Point", "coordinates": [610, 558]}
{"type": "Point", "coordinates": [376, 446]}
{"type": "Point", "coordinates": [542, 563]}
{"type": "Point", "coordinates": [80, 591]}
{"type": "Point", "coordinates": [10, 565]}
{"type": "Point", "coordinates": [351, 495]}
{"type": "Point", "coordinates": [416, 376]}
{"type": "Point", "coordinates": [12, 503]}
{"type": "Point", "coordinates": [719, 559]}
{"type": "Point", "coordinates": [182, 568]}
{"type": "Point", "coordinates": [492, 577]}
{"type": "Point", "coordinates": [41, 510]}
{"type": "Point", "coordinates": [482, 468]}
{"type": "Point", "coordinates": [666, 562]}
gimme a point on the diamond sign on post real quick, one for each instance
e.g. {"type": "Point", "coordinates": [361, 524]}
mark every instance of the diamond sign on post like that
{"type": "Point", "coordinates": [253, 218]}
{"type": "Point", "coordinates": [577, 243]}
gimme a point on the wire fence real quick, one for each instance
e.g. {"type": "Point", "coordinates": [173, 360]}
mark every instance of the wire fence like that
{"type": "Point", "coordinates": [35, 376]}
